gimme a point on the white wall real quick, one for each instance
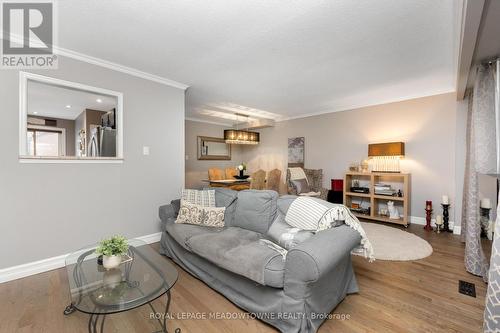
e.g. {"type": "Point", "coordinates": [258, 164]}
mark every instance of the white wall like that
{"type": "Point", "coordinates": [428, 126]}
{"type": "Point", "coordinates": [51, 209]}
{"type": "Point", "coordinates": [197, 170]}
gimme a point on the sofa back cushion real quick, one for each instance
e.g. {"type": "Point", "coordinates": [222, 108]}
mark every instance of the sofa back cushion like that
{"type": "Point", "coordinates": [255, 210]}
{"type": "Point", "coordinates": [284, 203]}
{"type": "Point", "coordinates": [225, 197]}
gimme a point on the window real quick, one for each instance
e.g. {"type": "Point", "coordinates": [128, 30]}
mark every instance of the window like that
{"type": "Point", "coordinates": [45, 142]}
{"type": "Point", "coordinates": [68, 122]}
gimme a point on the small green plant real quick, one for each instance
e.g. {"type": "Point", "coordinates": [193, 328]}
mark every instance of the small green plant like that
{"type": "Point", "coordinates": [113, 246]}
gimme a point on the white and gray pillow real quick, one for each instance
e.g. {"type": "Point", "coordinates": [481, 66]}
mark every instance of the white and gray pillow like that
{"type": "Point", "coordinates": [205, 198]}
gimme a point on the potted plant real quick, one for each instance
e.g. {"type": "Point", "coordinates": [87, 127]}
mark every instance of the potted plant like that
{"type": "Point", "coordinates": [112, 250]}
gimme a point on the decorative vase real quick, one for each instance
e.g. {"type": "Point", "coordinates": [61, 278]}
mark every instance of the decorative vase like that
{"type": "Point", "coordinates": [110, 262]}
{"type": "Point", "coordinates": [241, 173]}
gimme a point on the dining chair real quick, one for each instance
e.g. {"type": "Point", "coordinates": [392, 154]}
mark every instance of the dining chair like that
{"type": "Point", "coordinates": [215, 174]}
{"type": "Point", "coordinates": [230, 173]}
{"type": "Point", "coordinates": [258, 180]}
{"type": "Point", "coordinates": [273, 180]}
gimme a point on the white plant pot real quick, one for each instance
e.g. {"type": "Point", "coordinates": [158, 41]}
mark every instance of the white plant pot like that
{"type": "Point", "coordinates": [111, 261]}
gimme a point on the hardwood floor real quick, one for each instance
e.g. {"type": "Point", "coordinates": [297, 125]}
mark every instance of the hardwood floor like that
{"type": "Point", "coordinates": [417, 296]}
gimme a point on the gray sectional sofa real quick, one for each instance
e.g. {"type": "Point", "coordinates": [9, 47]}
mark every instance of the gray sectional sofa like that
{"type": "Point", "coordinates": [295, 293]}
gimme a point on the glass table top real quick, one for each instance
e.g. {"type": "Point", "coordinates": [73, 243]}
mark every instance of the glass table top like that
{"type": "Point", "coordinates": [96, 290]}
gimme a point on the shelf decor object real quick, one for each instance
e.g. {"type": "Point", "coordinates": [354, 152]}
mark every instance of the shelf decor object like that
{"type": "Point", "coordinates": [428, 215]}
{"type": "Point", "coordinates": [385, 156]}
{"type": "Point", "coordinates": [378, 202]}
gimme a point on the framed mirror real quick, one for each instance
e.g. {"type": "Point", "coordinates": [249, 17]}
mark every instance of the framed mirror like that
{"type": "Point", "coordinates": [63, 121]}
{"type": "Point", "coordinates": [213, 148]}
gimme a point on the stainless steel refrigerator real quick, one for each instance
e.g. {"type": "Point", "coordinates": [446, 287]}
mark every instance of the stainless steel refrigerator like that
{"type": "Point", "coordinates": [102, 142]}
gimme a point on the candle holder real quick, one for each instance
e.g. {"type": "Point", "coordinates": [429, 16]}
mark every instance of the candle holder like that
{"type": "Point", "coordinates": [428, 215]}
{"type": "Point", "coordinates": [485, 221]}
{"type": "Point", "coordinates": [446, 218]}
{"type": "Point", "coordinates": [438, 228]}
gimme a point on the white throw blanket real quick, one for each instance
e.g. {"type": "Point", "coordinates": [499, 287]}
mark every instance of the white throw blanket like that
{"type": "Point", "coordinates": [316, 214]}
{"type": "Point", "coordinates": [297, 173]}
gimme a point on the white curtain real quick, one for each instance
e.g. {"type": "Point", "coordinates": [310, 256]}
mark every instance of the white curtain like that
{"type": "Point", "coordinates": [481, 158]}
{"type": "Point", "coordinates": [492, 309]}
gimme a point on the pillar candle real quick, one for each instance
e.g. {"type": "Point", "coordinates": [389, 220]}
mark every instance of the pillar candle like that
{"type": "Point", "coordinates": [445, 200]}
{"type": "Point", "coordinates": [485, 203]}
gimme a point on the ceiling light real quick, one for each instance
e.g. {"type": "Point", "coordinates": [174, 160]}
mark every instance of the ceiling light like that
{"type": "Point", "coordinates": [98, 100]}
{"type": "Point", "coordinates": [35, 112]}
{"type": "Point", "coordinates": [241, 137]}
{"type": "Point", "coordinates": [68, 106]}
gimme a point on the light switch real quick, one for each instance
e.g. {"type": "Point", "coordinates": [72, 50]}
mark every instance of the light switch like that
{"type": "Point", "coordinates": [145, 150]}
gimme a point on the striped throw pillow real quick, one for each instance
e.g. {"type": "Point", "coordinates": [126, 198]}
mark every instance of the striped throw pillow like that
{"type": "Point", "coordinates": [306, 214]}
{"type": "Point", "coordinates": [205, 198]}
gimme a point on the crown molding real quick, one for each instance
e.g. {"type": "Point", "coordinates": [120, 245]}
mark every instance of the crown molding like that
{"type": "Point", "coordinates": [119, 68]}
{"type": "Point", "coordinates": [60, 51]}
{"type": "Point", "coordinates": [365, 105]}
{"type": "Point", "coordinates": [199, 120]}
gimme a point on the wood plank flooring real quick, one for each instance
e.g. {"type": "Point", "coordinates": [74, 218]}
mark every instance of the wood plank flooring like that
{"type": "Point", "coordinates": [417, 296]}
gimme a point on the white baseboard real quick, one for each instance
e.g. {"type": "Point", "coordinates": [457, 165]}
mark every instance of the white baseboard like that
{"type": "Point", "coordinates": [152, 238]}
{"type": "Point", "coordinates": [421, 220]}
{"type": "Point", "coordinates": [44, 265]}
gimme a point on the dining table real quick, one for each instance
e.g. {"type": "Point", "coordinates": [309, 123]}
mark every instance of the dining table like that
{"type": "Point", "coordinates": [235, 184]}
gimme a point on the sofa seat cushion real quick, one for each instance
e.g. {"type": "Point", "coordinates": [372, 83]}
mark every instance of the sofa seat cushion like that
{"type": "Point", "coordinates": [240, 251]}
{"type": "Point", "coordinates": [183, 232]}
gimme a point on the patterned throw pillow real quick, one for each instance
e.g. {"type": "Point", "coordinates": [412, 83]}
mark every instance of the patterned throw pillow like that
{"type": "Point", "coordinates": [205, 198]}
{"type": "Point", "coordinates": [205, 216]}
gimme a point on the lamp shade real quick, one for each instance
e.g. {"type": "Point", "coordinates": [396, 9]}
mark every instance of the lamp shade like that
{"type": "Point", "coordinates": [386, 149]}
{"type": "Point", "coordinates": [241, 137]}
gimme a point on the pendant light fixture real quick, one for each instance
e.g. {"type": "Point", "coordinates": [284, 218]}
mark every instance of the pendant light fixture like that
{"type": "Point", "coordinates": [241, 137]}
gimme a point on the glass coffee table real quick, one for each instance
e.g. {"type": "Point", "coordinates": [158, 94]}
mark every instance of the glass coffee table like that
{"type": "Point", "coordinates": [100, 292]}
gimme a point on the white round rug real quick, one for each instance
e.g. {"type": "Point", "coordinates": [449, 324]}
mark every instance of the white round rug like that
{"type": "Point", "coordinates": [394, 244]}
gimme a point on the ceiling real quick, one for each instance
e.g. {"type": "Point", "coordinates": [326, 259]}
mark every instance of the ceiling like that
{"type": "Point", "coordinates": [274, 59]}
{"type": "Point", "coordinates": [50, 101]}
{"type": "Point", "coordinates": [488, 43]}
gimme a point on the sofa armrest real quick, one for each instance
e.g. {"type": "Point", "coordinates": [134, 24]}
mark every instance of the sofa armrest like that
{"type": "Point", "coordinates": [310, 260]}
{"type": "Point", "coordinates": [168, 213]}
